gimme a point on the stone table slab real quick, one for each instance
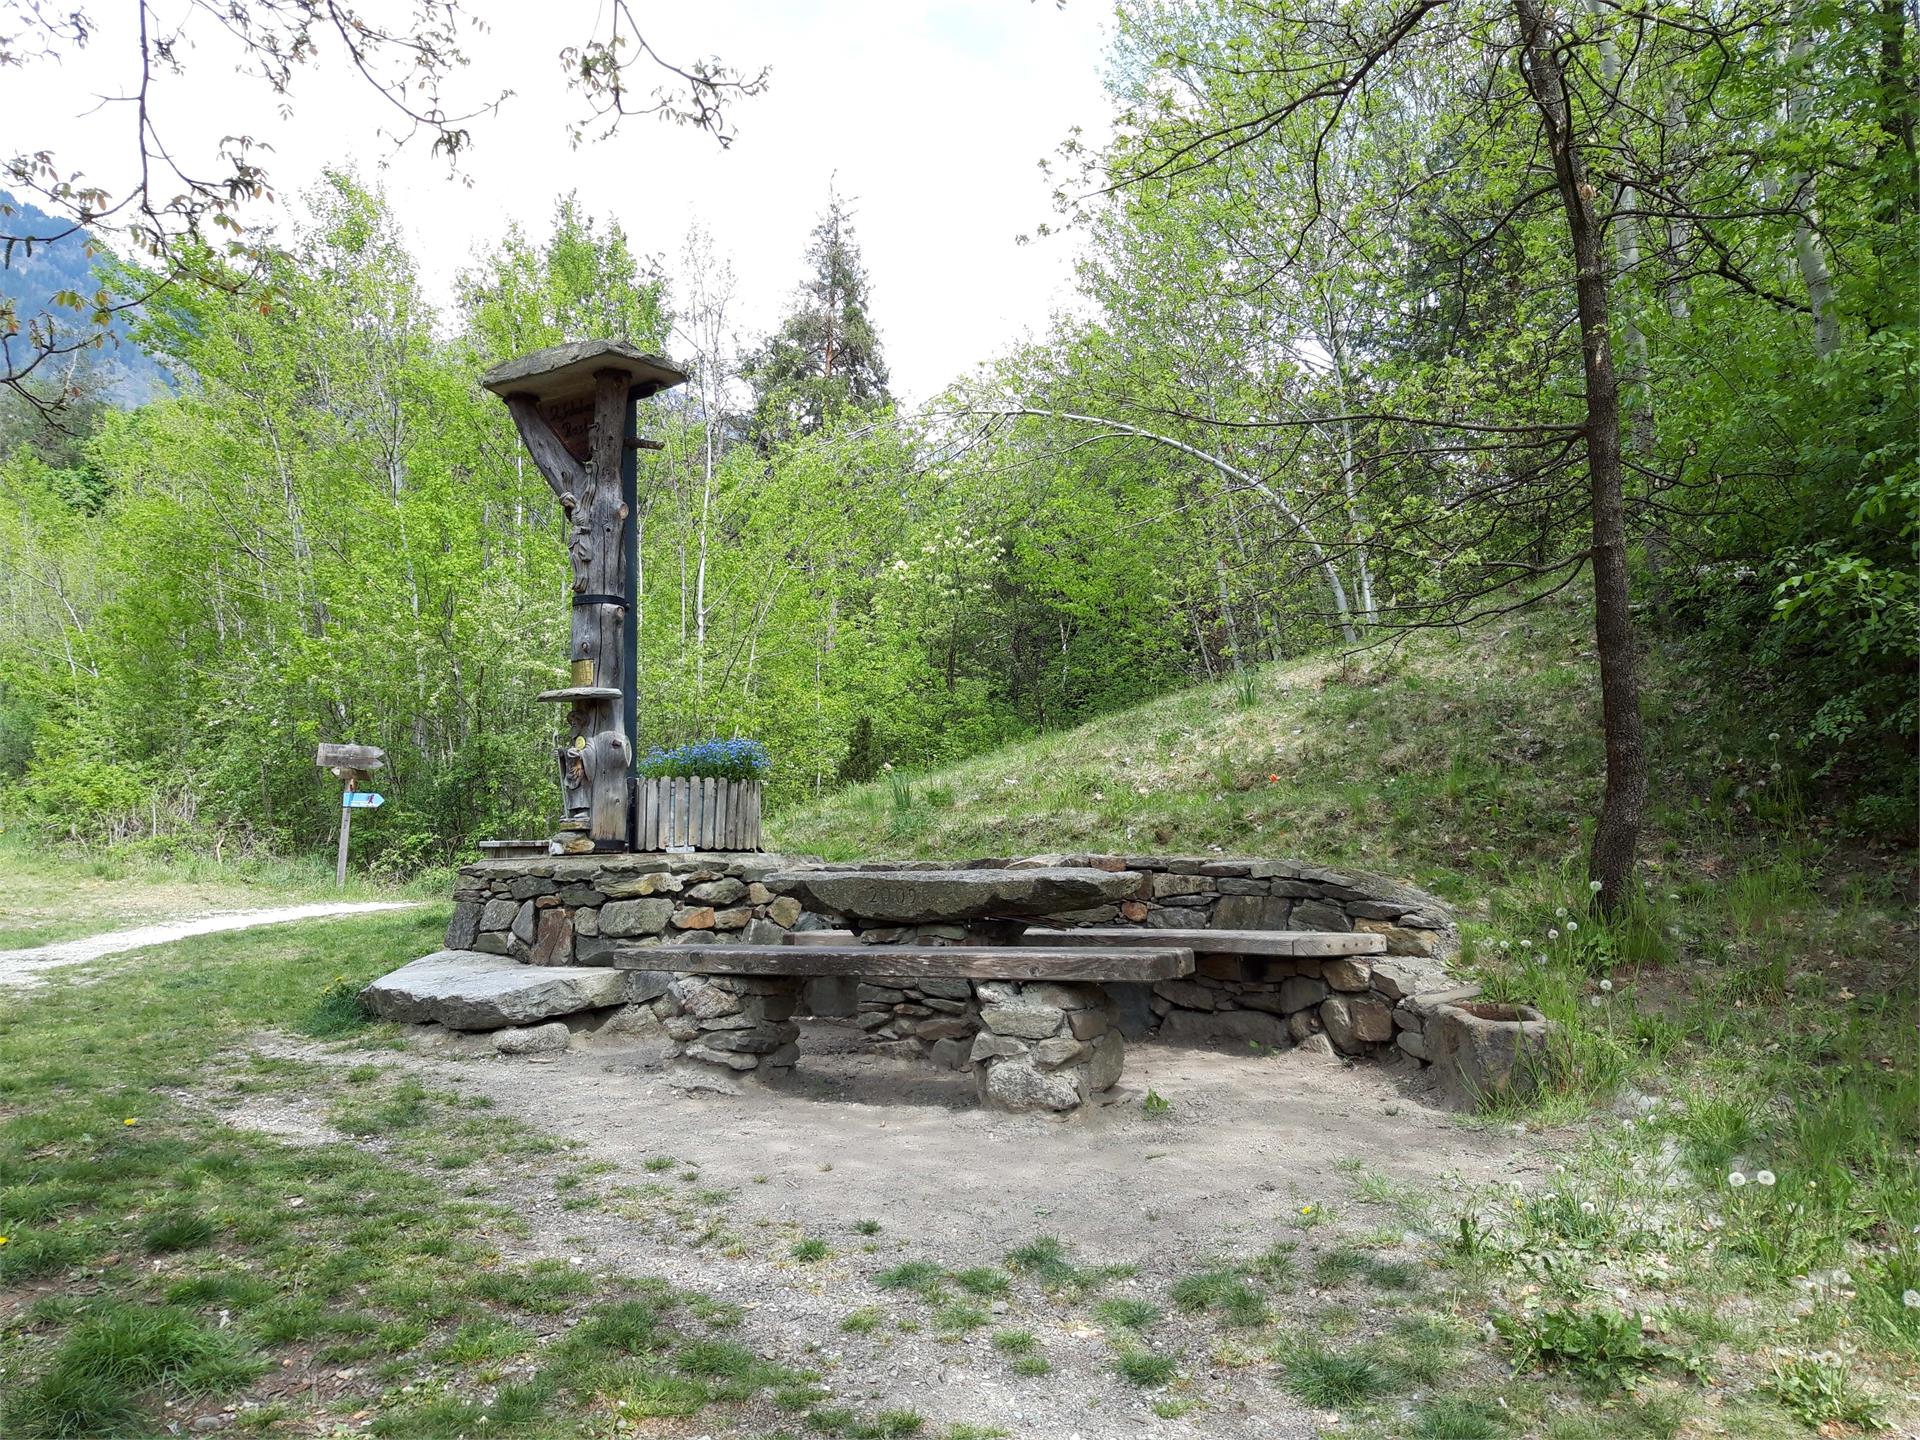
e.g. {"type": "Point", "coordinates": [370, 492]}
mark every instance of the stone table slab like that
{"type": "Point", "coordinates": [912, 897]}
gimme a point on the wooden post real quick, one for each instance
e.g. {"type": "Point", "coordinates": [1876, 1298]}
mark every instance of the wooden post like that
{"type": "Point", "coordinates": [351, 764]}
{"type": "Point", "coordinates": [346, 828]}
{"type": "Point", "coordinates": [576, 409]}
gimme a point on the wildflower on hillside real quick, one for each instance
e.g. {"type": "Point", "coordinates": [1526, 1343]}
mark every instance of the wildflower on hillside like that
{"type": "Point", "coordinates": [1306, 1209]}
{"type": "Point", "coordinates": [129, 1121]}
{"type": "Point", "coordinates": [1764, 1179]}
{"type": "Point", "coordinates": [1553, 934]}
{"type": "Point", "coordinates": [1572, 925]}
{"type": "Point", "coordinates": [1559, 912]}
{"type": "Point", "coordinates": [1910, 1298]}
{"type": "Point", "coordinates": [1774, 736]}
{"type": "Point", "coordinates": [1526, 944]}
{"type": "Point", "coordinates": [3, 1240]}
{"type": "Point", "coordinates": [1587, 1207]}
{"type": "Point", "coordinates": [1506, 944]}
{"type": "Point", "coordinates": [1606, 985]}
{"type": "Point", "coordinates": [1736, 1179]}
{"type": "Point", "coordinates": [1593, 1000]}
{"type": "Point", "coordinates": [1273, 779]}
{"type": "Point", "coordinates": [1594, 886]}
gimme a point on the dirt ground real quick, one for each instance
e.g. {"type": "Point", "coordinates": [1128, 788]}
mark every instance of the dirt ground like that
{"type": "Point", "coordinates": [1248, 1141]}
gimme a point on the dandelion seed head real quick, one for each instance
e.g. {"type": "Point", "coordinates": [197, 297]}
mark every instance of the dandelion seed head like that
{"type": "Point", "coordinates": [1736, 1179]}
{"type": "Point", "coordinates": [1764, 1179]}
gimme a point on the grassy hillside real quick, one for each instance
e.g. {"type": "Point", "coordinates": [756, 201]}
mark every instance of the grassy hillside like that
{"type": "Point", "coordinates": [1465, 759]}
{"type": "Point", "coordinates": [1752, 1016]}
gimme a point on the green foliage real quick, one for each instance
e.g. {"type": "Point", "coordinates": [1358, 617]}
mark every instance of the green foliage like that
{"type": "Point", "coordinates": [824, 359]}
{"type": "Point", "coordinates": [1598, 1345]}
{"type": "Point", "coordinates": [1145, 1368]}
{"type": "Point", "coordinates": [1335, 1379]}
{"type": "Point", "coordinates": [1820, 1391]}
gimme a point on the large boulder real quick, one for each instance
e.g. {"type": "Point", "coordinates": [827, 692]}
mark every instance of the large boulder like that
{"type": "Point", "coordinates": [466, 990]}
{"type": "Point", "coordinates": [920, 896]}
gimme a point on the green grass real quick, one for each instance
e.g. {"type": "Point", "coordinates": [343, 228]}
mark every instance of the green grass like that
{"type": "Point", "coordinates": [1045, 1259]}
{"type": "Point", "coordinates": [1336, 1379]}
{"type": "Point", "coordinates": [1126, 1314]}
{"type": "Point", "coordinates": [1145, 1368]}
{"type": "Point", "coordinates": [1222, 1291]}
{"type": "Point", "coordinates": [183, 1260]}
{"type": "Point", "coordinates": [59, 890]}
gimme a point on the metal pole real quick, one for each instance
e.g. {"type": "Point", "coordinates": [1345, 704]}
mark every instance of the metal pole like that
{"type": "Point", "coordinates": [630, 631]}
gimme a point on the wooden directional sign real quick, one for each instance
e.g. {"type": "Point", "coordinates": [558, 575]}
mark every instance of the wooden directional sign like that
{"type": "Point", "coordinates": [350, 757]}
{"type": "Point", "coordinates": [362, 800]}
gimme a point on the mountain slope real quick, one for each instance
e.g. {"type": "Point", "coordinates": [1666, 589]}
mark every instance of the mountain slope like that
{"type": "Point", "coordinates": [122, 373]}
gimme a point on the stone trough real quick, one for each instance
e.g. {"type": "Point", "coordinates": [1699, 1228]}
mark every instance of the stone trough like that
{"type": "Point", "coordinates": [541, 939]}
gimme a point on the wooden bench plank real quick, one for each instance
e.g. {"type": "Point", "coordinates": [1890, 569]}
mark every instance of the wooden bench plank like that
{"type": "Point", "coordinates": [966, 962]}
{"type": "Point", "coordinates": [1299, 943]}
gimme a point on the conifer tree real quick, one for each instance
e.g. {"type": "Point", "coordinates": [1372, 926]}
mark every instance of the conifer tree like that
{"type": "Point", "coordinates": [825, 357]}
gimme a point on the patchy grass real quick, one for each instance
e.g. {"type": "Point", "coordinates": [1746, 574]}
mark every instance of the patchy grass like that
{"type": "Point", "coordinates": [62, 890]}
{"type": "Point", "coordinates": [181, 1263]}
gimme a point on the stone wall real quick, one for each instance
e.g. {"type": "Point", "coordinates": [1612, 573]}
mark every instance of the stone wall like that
{"type": "Point", "coordinates": [574, 910]}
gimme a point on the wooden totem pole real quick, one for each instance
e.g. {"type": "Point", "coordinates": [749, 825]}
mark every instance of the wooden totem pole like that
{"type": "Point", "coordinates": [577, 408]}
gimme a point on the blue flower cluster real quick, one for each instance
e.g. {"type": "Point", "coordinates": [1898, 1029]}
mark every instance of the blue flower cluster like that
{"type": "Point", "coordinates": [716, 759]}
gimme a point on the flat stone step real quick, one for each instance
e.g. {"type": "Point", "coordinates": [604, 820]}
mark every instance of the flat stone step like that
{"type": "Point", "coordinates": [916, 897]}
{"type": "Point", "coordinates": [967, 962]}
{"type": "Point", "coordinates": [466, 990]}
{"type": "Point", "coordinates": [1299, 943]}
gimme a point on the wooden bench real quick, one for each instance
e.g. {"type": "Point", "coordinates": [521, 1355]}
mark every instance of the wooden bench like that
{"type": "Point", "coordinates": [1044, 1038]}
{"type": "Point", "coordinates": [1070, 962]}
{"type": "Point", "coordinates": [1299, 944]}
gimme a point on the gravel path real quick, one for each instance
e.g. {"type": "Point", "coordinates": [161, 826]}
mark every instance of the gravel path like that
{"type": "Point", "coordinates": [22, 967]}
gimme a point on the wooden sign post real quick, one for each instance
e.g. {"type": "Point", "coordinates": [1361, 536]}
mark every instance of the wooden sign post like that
{"type": "Point", "coordinates": [577, 407]}
{"type": "Point", "coordinates": [351, 764]}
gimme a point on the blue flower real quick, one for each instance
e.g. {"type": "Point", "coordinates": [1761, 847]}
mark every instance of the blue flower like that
{"type": "Point", "coordinates": [735, 759]}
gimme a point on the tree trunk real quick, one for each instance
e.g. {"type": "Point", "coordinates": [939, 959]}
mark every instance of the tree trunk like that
{"type": "Point", "coordinates": [1617, 834]}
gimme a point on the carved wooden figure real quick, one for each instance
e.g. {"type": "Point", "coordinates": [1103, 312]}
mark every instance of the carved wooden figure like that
{"type": "Point", "coordinates": [576, 408]}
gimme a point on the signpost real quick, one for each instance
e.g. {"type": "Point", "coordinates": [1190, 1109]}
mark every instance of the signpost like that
{"type": "Point", "coordinates": [351, 764]}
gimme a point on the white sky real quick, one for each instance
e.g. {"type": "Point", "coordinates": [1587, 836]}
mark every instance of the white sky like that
{"type": "Point", "coordinates": [932, 116]}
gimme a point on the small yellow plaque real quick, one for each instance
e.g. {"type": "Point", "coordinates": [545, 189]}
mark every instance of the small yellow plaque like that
{"type": "Point", "coordinates": [583, 672]}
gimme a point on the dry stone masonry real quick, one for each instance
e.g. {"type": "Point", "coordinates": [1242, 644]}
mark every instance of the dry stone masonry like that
{"type": "Point", "coordinates": [1030, 1045]}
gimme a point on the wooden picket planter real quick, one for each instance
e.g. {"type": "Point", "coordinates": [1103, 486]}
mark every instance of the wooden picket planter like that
{"type": "Point", "coordinates": [703, 813]}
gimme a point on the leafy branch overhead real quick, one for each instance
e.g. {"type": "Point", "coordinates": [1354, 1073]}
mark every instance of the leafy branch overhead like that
{"type": "Point", "coordinates": [185, 213]}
